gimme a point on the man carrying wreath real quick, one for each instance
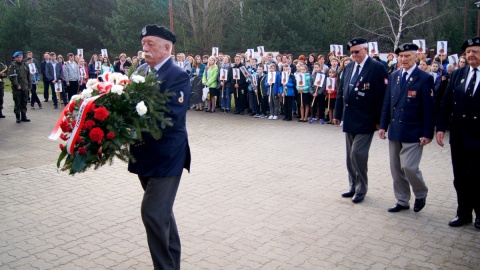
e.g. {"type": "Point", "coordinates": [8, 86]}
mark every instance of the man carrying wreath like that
{"type": "Point", "coordinates": [159, 163]}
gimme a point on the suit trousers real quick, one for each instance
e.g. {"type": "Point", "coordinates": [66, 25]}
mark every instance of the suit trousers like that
{"type": "Point", "coordinates": [466, 171]}
{"type": "Point", "coordinates": [46, 85]}
{"type": "Point", "coordinates": [358, 146]}
{"type": "Point", "coordinates": [157, 215]}
{"type": "Point", "coordinates": [404, 165]}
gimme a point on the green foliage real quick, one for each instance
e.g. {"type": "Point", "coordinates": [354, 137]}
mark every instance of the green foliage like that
{"type": "Point", "coordinates": [298, 26]}
{"type": "Point", "coordinates": [127, 20]}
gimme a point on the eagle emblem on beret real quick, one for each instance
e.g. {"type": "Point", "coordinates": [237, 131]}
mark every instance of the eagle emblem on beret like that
{"type": "Point", "coordinates": [349, 44]}
{"type": "Point", "coordinates": [144, 31]}
{"type": "Point", "coordinates": [470, 42]}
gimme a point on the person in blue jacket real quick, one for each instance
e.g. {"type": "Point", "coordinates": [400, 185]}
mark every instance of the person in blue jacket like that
{"type": "Point", "coordinates": [274, 89]}
{"type": "Point", "coordinates": [288, 93]}
{"type": "Point", "coordinates": [159, 163]}
{"type": "Point", "coordinates": [408, 115]}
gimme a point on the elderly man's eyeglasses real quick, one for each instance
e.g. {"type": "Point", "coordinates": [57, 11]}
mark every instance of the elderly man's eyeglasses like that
{"type": "Point", "coordinates": [355, 52]}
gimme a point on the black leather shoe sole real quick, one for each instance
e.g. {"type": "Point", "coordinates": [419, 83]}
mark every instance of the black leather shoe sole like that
{"type": "Point", "coordinates": [458, 222]}
{"type": "Point", "coordinates": [348, 194]}
{"type": "Point", "coordinates": [358, 197]}
{"type": "Point", "coordinates": [397, 208]}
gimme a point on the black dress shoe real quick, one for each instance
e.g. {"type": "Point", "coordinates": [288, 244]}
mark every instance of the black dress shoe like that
{"type": "Point", "coordinates": [457, 222]}
{"type": "Point", "coordinates": [397, 208]}
{"type": "Point", "coordinates": [348, 194]}
{"type": "Point", "coordinates": [477, 223]}
{"type": "Point", "coordinates": [419, 204]}
{"type": "Point", "coordinates": [358, 197]}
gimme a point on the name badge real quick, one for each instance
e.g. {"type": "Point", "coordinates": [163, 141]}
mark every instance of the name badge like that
{"type": "Point", "coordinates": [412, 94]}
{"type": "Point", "coordinates": [362, 94]}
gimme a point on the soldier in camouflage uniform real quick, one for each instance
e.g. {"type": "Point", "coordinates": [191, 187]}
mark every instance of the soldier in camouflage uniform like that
{"type": "Point", "coordinates": [3, 74]}
{"type": "Point", "coordinates": [19, 75]}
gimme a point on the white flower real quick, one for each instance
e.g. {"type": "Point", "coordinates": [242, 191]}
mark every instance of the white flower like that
{"type": "Point", "coordinates": [76, 97]}
{"type": "Point", "coordinates": [138, 79]}
{"type": "Point", "coordinates": [86, 93]}
{"type": "Point", "coordinates": [141, 108]}
{"type": "Point", "coordinates": [91, 82]}
{"type": "Point", "coordinates": [114, 77]}
{"type": "Point", "coordinates": [117, 89]}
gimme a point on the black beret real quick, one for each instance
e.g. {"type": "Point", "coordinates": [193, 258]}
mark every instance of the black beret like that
{"type": "Point", "coordinates": [406, 47]}
{"type": "Point", "coordinates": [356, 41]}
{"type": "Point", "coordinates": [158, 31]}
{"type": "Point", "coordinates": [475, 41]}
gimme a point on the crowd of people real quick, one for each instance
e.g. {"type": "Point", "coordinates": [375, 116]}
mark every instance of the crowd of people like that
{"type": "Point", "coordinates": [253, 92]}
{"type": "Point", "coordinates": [214, 84]}
{"type": "Point", "coordinates": [407, 95]}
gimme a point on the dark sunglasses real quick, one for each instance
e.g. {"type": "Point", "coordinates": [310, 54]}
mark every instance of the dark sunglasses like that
{"type": "Point", "coordinates": [355, 52]}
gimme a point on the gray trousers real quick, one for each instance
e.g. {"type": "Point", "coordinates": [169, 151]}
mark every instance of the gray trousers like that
{"type": "Point", "coordinates": [159, 221]}
{"type": "Point", "coordinates": [358, 146]}
{"type": "Point", "coordinates": [404, 166]}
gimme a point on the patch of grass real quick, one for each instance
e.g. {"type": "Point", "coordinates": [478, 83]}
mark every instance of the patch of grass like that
{"type": "Point", "coordinates": [8, 85]}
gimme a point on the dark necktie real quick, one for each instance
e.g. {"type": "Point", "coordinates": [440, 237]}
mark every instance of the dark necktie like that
{"type": "Point", "coordinates": [404, 79]}
{"type": "Point", "coordinates": [471, 84]}
{"type": "Point", "coordinates": [354, 77]}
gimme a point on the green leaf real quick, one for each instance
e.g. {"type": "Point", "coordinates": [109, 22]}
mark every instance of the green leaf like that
{"type": "Point", "coordinates": [63, 154]}
{"type": "Point", "coordinates": [78, 164]}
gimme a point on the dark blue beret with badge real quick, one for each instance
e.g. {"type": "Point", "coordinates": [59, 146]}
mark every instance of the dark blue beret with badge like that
{"type": "Point", "coordinates": [158, 31]}
{"type": "Point", "coordinates": [406, 47]}
{"type": "Point", "coordinates": [356, 41]}
{"type": "Point", "coordinates": [475, 41]}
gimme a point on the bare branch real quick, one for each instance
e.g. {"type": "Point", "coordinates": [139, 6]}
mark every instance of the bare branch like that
{"type": "Point", "coordinates": [374, 32]}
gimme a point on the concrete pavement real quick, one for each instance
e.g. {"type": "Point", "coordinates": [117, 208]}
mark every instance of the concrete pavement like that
{"type": "Point", "coordinates": [261, 194]}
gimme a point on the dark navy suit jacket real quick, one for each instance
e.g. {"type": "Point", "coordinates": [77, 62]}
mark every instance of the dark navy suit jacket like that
{"type": "Point", "coordinates": [460, 112]}
{"type": "Point", "coordinates": [49, 71]}
{"type": "Point", "coordinates": [171, 154]}
{"type": "Point", "coordinates": [409, 111]}
{"type": "Point", "coordinates": [361, 108]}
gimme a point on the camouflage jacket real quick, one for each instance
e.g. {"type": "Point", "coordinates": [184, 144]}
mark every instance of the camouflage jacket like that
{"type": "Point", "coordinates": [19, 75]}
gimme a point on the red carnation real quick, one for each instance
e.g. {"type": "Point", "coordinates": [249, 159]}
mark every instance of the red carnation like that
{"type": "Point", "coordinates": [61, 146]}
{"type": "Point", "coordinates": [89, 124]}
{"type": "Point", "coordinates": [63, 137]}
{"type": "Point", "coordinates": [100, 113]}
{"type": "Point", "coordinates": [79, 139]}
{"type": "Point", "coordinates": [65, 126]}
{"type": "Point", "coordinates": [82, 150]}
{"type": "Point", "coordinates": [74, 122]}
{"type": "Point", "coordinates": [71, 108]}
{"type": "Point", "coordinates": [110, 135]}
{"type": "Point", "coordinates": [99, 151]}
{"type": "Point", "coordinates": [96, 134]}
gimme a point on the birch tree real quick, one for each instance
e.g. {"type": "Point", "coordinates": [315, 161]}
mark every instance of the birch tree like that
{"type": "Point", "coordinates": [390, 19]}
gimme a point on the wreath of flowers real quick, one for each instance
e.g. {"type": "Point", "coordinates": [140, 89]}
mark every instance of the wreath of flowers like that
{"type": "Point", "coordinates": [101, 122]}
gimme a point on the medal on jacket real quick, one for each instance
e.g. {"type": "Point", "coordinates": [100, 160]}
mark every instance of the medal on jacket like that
{"type": "Point", "coordinates": [180, 99]}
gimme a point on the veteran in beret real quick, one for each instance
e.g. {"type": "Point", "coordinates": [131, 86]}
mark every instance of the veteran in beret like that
{"type": "Point", "coordinates": [160, 163]}
{"type": "Point", "coordinates": [460, 110]}
{"type": "Point", "coordinates": [19, 75]}
{"type": "Point", "coordinates": [359, 105]}
{"type": "Point", "coordinates": [408, 116]}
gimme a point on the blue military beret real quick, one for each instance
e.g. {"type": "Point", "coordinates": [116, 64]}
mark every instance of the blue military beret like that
{"type": "Point", "coordinates": [475, 41]}
{"type": "Point", "coordinates": [17, 54]}
{"type": "Point", "coordinates": [356, 41]}
{"type": "Point", "coordinates": [158, 31]}
{"type": "Point", "coordinates": [406, 47]}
